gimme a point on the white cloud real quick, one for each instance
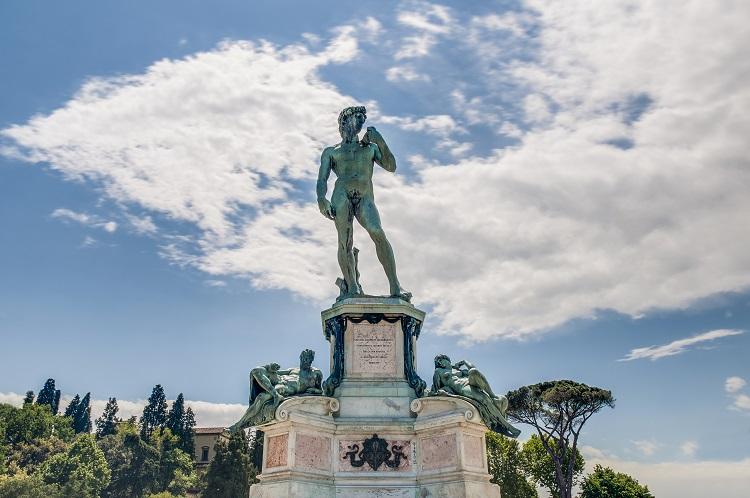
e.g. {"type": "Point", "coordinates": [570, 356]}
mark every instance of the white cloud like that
{"type": "Point", "coordinates": [742, 402]}
{"type": "Point", "coordinates": [734, 384]}
{"type": "Point", "coordinates": [439, 124]}
{"type": "Point", "coordinates": [207, 414]}
{"type": "Point", "coordinates": [404, 73]}
{"type": "Point", "coordinates": [85, 219]}
{"type": "Point", "coordinates": [629, 196]}
{"type": "Point", "coordinates": [691, 479]}
{"type": "Point", "coordinates": [646, 447]}
{"type": "Point", "coordinates": [143, 225]}
{"type": "Point", "coordinates": [429, 21]}
{"type": "Point", "coordinates": [679, 346]}
{"type": "Point", "coordinates": [688, 448]}
{"type": "Point", "coordinates": [415, 46]}
{"type": "Point", "coordinates": [216, 283]}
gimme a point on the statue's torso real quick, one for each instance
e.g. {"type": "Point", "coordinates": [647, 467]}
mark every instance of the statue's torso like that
{"type": "Point", "coordinates": [352, 164]}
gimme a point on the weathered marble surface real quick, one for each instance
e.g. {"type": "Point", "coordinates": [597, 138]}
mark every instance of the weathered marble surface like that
{"type": "Point", "coordinates": [474, 451]}
{"type": "Point", "coordinates": [439, 451]}
{"type": "Point", "coordinates": [277, 451]}
{"type": "Point", "coordinates": [313, 452]}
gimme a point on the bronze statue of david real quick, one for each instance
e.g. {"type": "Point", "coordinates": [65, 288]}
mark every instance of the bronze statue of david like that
{"type": "Point", "coordinates": [352, 161]}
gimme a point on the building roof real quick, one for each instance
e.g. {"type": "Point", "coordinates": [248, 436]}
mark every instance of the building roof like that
{"type": "Point", "coordinates": [208, 430]}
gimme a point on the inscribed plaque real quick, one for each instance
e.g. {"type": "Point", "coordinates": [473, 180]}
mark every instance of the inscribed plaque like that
{"type": "Point", "coordinates": [374, 348]}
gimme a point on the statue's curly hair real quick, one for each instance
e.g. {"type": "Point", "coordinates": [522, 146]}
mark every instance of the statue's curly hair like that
{"type": "Point", "coordinates": [441, 357]}
{"type": "Point", "coordinates": [348, 112]}
{"type": "Point", "coordinates": [307, 353]}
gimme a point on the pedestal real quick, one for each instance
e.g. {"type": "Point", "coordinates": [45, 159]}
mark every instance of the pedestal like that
{"type": "Point", "coordinates": [373, 435]}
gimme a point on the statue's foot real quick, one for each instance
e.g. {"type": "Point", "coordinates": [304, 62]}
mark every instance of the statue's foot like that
{"type": "Point", "coordinates": [402, 294]}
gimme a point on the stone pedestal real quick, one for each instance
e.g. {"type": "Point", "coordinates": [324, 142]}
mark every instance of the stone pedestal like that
{"type": "Point", "coordinates": [373, 435]}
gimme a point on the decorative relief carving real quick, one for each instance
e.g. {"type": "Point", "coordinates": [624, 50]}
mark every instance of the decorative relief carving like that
{"type": "Point", "coordinates": [276, 454]}
{"type": "Point", "coordinates": [313, 452]}
{"type": "Point", "coordinates": [377, 453]}
{"type": "Point", "coordinates": [439, 452]}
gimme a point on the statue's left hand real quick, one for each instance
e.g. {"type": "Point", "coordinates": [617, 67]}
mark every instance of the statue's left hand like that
{"type": "Point", "coordinates": [372, 135]}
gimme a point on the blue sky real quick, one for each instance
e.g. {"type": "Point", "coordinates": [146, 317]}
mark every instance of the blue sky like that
{"type": "Point", "coordinates": [571, 191]}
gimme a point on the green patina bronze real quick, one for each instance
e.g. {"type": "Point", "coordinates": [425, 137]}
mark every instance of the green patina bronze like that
{"type": "Point", "coordinates": [352, 161]}
{"type": "Point", "coordinates": [270, 385]}
{"type": "Point", "coordinates": [464, 381]}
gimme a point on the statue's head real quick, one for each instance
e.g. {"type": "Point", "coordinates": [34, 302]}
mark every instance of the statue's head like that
{"type": "Point", "coordinates": [351, 120]}
{"type": "Point", "coordinates": [306, 358]}
{"type": "Point", "coordinates": [273, 367]}
{"type": "Point", "coordinates": [442, 361]}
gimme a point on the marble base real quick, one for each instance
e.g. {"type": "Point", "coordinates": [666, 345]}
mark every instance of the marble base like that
{"type": "Point", "coordinates": [315, 447]}
{"type": "Point", "coordinates": [442, 442]}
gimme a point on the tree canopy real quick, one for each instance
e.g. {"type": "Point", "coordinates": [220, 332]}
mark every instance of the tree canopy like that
{"type": "Point", "coordinates": [505, 466]}
{"type": "Point", "coordinates": [558, 410]}
{"type": "Point", "coordinates": [606, 483]}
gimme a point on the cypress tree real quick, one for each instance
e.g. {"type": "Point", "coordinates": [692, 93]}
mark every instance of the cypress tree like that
{"type": "Point", "coordinates": [47, 395]}
{"type": "Point", "coordinates": [175, 418]}
{"type": "Point", "coordinates": [188, 434]}
{"type": "Point", "coordinates": [154, 413]}
{"type": "Point", "coordinates": [29, 398]}
{"type": "Point", "coordinates": [82, 417]}
{"type": "Point", "coordinates": [56, 402]}
{"type": "Point", "coordinates": [70, 411]}
{"type": "Point", "coordinates": [231, 471]}
{"type": "Point", "coordinates": [107, 423]}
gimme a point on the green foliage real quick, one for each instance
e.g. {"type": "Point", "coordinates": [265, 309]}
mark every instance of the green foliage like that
{"type": "Point", "coordinates": [70, 411]}
{"type": "Point", "coordinates": [256, 437]}
{"type": "Point", "coordinates": [134, 464]}
{"type": "Point", "coordinates": [27, 457]}
{"type": "Point", "coordinates": [29, 398]}
{"type": "Point", "coordinates": [164, 494]}
{"type": "Point", "coordinates": [82, 415]}
{"type": "Point", "coordinates": [106, 425]}
{"type": "Point", "coordinates": [176, 417]}
{"type": "Point", "coordinates": [538, 463]}
{"type": "Point", "coordinates": [31, 422]}
{"type": "Point", "coordinates": [505, 466]}
{"type": "Point", "coordinates": [23, 486]}
{"type": "Point", "coordinates": [231, 471]}
{"type": "Point", "coordinates": [49, 396]}
{"type": "Point", "coordinates": [154, 413]}
{"type": "Point", "coordinates": [188, 432]}
{"type": "Point", "coordinates": [606, 483]}
{"type": "Point", "coordinates": [82, 471]}
{"type": "Point", "coordinates": [558, 410]}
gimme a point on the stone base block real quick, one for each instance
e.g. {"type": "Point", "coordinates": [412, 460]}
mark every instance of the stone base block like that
{"type": "Point", "coordinates": [459, 489]}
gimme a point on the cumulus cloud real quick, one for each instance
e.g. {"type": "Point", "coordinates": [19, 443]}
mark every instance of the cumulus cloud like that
{"type": "Point", "coordinates": [404, 73]}
{"type": "Point", "coordinates": [679, 346]}
{"type": "Point", "coordinates": [85, 219]}
{"type": "Point", "coordinates": [207, 414]}
{"type": "Point", "coordinates": [734, 384]}
{"type": "Point", "coordinates": [624, 188]}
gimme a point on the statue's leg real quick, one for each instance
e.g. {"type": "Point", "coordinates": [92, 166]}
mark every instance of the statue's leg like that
{"type": "Point", "coordinates": [369, 218]}
{"type": "Point", "coordinates": [478, 380]}
{"type": "Point", "coordinates": [345, 230]}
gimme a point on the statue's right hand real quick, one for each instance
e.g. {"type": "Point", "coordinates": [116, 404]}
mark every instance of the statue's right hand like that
{"type": "Point", "coordinates": [326, 209]}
